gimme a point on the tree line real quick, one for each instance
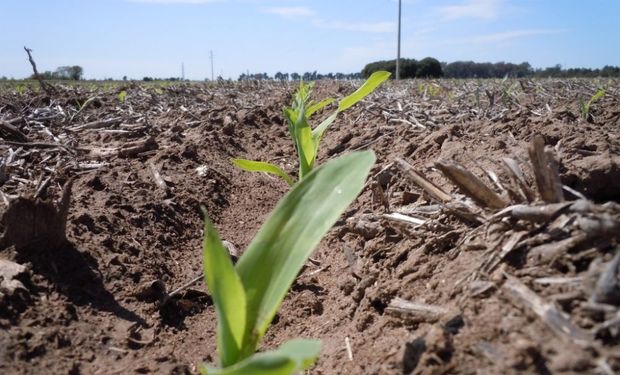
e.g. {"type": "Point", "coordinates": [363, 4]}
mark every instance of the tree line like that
{"type": "Point", "coordinates": [431, 68]}
{"type": "Point", "coordinates": [307, 76]}
{"type": "Point", "coordinates": [74, 72]}
{"type": "Point", "coordinates": [428, 67]}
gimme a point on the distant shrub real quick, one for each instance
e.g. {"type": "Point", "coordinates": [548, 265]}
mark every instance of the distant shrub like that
{"type": "Point", "coordinates": [408, 68]}
{"type": "Point", "coordinates": [429, 68]}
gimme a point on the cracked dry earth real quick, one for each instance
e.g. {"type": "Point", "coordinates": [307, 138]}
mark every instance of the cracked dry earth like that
{"type": "Point", "coordinates": [486, 240]}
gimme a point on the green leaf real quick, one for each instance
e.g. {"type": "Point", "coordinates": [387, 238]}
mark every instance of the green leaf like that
{"type": "Point", "coordinates": [319, 130]}
{"type": "Point", "coordinates": [275, 256]}
{"type": "Point", "coordinates": [318, 106]}
{"type": "Point", "coordinates": [369, 86]}
{"type": "Point", "coordinates": [291, 117]}
{"type": "Point", "coordinates": [228, 295]}
{"type": "Point", "coordinates": [290, 358]}
{"type": "Point", "coordinates": [599, 94]}
{"type": "Point", "coordinates": [261, 166]}
{"type": "Point", "coordinates": [122, 95]}
{"type": "Point", "coordinates": [317, 133]}
{"type": "Point", "coordinates": [304, 142]}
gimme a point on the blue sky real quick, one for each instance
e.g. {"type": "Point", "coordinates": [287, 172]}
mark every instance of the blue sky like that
{"type": "Point", "coordinates": [136, 38]}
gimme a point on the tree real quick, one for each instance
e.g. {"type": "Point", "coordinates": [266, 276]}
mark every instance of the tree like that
{"type": "Point", "coordinates": [67, 72]}
{"type": "Point", "coordinates": [408, 68]}
{"type": "Point", "coordinates": [76, 72]}
{"type": "Point", "coordinates": [429, 68]}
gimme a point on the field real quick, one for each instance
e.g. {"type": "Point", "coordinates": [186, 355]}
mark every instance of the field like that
{"type": "Point", "coordinates": [485, 240]}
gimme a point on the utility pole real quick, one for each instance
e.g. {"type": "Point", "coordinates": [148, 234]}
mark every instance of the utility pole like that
{"type": "Point", "coordinates": [211, 56]}
{"type": "Point", "coordinates": [182, 71]}
{"type": "Point", "coordinates": [398, 48]}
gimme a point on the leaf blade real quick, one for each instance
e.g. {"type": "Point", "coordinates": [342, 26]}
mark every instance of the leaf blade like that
{"type": "Point", "coordinates": [228, 295]}
{"type": "Point", "coordinates": [261, 166]}
{"type": "Point", "coordinates": [369, 86]}
{"type": "Point", "coordinates": [317, 132]}
{"type": "Point", "coordinates": [291, 357]}
{"type": "Point", "coordinates": [318, 106]}
{"type": "Point", "coordinates": [598, 95]}
{"type": "Point", "coordinates": [276, 254]}
{"type": "Point", "coordinates": [305, 145]}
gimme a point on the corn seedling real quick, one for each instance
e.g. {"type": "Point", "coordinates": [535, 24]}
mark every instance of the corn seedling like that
{"type": "Point", "coordinates": [508, 90]}
{"type": "Point", "coordinates": [247, 295]}
{"type": "Point", "coordinates": [585, 106]}
{"type": "Point", "coordinates": [122, 96]}
{"type": "Point", "coordinates": [434, 91]}
{"type": "Point", "coordinates": [421, 89]}
{"type": "Point", "coordinates": [306, 138]}
{"type": "Point", "coordinates": [21, 89]}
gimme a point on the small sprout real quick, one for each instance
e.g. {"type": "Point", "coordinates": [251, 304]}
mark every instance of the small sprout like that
{"type": "Point", "coordinates": [21, 89]}
{"type": "Point", "coordinates": [306, 138]}
{"type": "Point", "coordinates": [586, 106]}
{"type": "Point", "coordinates": [247, 294]}
{"type": "Point", "coordinates": [122, 96]}
{"type": "Point", "coordinates": [434, 90]}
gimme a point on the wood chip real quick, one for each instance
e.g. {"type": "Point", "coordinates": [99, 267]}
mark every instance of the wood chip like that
{"type": "Point", "coordinates": [418, 178]}
{"type": "Point", "coordinates": [11, 132]}
{"type": "Point", "coordinates": [416, 311]}
{"type": "Point", "coordinates": [398, 217]}
{"type": "Point", "coordinates": [555, 319]}
{"type": "Point", "coordinates": [136, 148]}
{"type": "Point", "coordinates": [548, 252]}
{"type": "Point", "coordinates": [471, 185]}
{"type": "Point", "coordinates": [607, 288]}
{"type": "Point", "coordinates": [159, 181]}
{"type": "Point", "coordinates": [545, 169]}
{"type": "Point", "coordinates": [98, 124]}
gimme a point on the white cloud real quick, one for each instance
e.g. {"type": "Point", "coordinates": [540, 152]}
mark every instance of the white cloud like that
{"type": "Point", "coordinates": [354, 58]}
{"type": "Point", "coordinates": [509, 35]}
{"type": "Point", "coordinates": [290, 11]}
{"type": "Point", "coordinates": [483, 9]}
{"type": "Point", "coordinates": [305, 12]}
{"type": "Point", "coordinates": [369, 27]}
{"type": "Point", "coordinates": [175, 1]}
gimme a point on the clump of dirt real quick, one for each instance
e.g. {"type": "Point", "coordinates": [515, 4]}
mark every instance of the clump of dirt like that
{"type": "Point", "coordinates": [457, 257]}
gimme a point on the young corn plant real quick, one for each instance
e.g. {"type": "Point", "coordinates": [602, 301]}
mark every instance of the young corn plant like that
{"type": "Point", "coordinates": [247, 295]}
{"type": "Point", "coordinates": [305, 138]}
{"type": "Point", "coordinates": [585, 106]}
{"type": "Point", "coordinates": [122, 96]}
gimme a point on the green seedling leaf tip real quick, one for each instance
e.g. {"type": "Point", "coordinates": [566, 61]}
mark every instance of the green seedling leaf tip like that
{"type": "Point", "coordinates": [369, 86]}
{"type": "Point", "coordinates": [261, 166]}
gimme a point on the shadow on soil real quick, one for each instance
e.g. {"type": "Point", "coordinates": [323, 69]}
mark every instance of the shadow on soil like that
{"type": "Point", "coordinates": [76, 275]}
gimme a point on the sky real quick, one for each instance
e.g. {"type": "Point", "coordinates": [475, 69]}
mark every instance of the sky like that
{"type": "Point", "coordinates": [138, 38]}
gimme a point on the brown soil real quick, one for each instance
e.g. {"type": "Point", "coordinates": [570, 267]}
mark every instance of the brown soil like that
{"type": "Point", "coordinates": [95, 302]}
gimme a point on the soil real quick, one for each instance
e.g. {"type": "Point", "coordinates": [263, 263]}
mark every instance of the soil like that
{"type": "Point", "coordinates": [87, 288]}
